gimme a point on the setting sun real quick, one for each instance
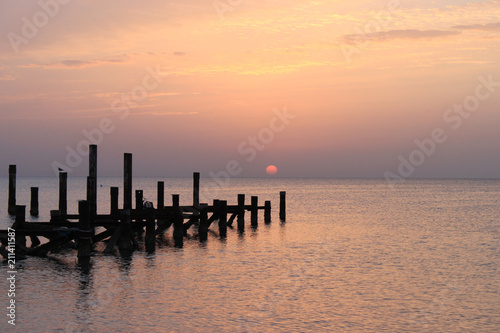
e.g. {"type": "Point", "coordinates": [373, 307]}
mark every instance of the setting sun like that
{"type": "Point", "coordinates": [271, 170]}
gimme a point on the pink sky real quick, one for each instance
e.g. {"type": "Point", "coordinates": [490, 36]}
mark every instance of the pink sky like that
{"type": "Point", "coordinates": [363, 80]}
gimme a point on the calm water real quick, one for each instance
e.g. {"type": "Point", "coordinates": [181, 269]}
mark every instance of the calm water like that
{"type": "Point", "coordinates": [353, 256]}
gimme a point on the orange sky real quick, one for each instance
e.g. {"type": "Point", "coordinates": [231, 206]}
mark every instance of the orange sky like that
{"type": "Point", "coordinates": [364, 80]}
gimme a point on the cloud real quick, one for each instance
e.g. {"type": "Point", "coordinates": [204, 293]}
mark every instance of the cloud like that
{"type": "Point", "coordinates": [179, 53]}
{"type": "Point", "coordinates": [72, 63]}
{"type": "Point", "coordinates": [484, 27]}
{"type": "Point", "coordinates": [6, 77]}
{"type": "Point", "coordinates": [399, 34]}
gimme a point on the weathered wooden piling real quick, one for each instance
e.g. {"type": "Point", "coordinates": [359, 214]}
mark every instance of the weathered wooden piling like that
{"type": "Point", "coordinates": [34, 211]}
{"type": "Point", "coordinates": [91, 198]}
{"type": "Point", "coordinates": [150, 230]}
{"type": "Point", "coordinates": [84, 238]}
{"type": "Point", "coordinates": [139, 198]}
{"type": "Point", "coordinates": [92, 190]}
{"type": "Point", "coordinates": [63, 193]}
{"type": "Point", "coordinates": [20, 220]}
{"type": "Point", "coordinates": [161, 196]}
{"type": "Point", "coordinates": [241, 212]}
{"type": "Point", "coordinates": [254, 210]}
{"type": "Point", "coordinates": [114, 192]}
{"type": "Point", "coordinates": [196, 189]}
{"type": "Point", "coordinates": [12, 190]}
{"type": "Point", "coordinates": [178, 222]}
{"type": "Point", "coordinates": [203, 225]}
{"type": "Point", "coordinates": [125, 244]}
{"type": "Point", "coordinates": [283, 205]}
{"type": "Point", "coordinates": [222, 213]}
{"type": "Point", "coordinates": [267, 212]}
{"type": "Point", "coordinates": [127, 181]}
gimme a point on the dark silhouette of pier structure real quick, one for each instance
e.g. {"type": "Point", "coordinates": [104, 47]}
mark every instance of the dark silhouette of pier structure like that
{"type": "Point", "coordinates": [125, 228]}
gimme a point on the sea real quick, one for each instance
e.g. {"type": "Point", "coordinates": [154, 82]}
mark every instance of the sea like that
{"type": "Point", "coordinates": [354, 255]}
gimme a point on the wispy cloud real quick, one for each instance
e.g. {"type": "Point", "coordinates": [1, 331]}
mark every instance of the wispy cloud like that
{"type": "Point", "coordinates": [7, 77]}
{"type": "Point", "coordinates": [73, 63]}
{"type": "Point", "coordinates": [484, 27]}
{"type": "Point", "coordinates": [179, 53]}
{"type": "Point", "coordinates": [399, 34]}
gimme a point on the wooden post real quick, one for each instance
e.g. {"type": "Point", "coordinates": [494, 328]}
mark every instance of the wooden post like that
{"type": "Point", "coordinates": [12, 190]}
{"type": "Point", "coordinates": [127, 181]}
{"type": "Point", "coordinates": [125, 244]}
{"type": "Point", "coordinates": [178, 222]}
{"type": "Point", "coordinates": [91, 197]}
{"type": "Point", "coordinates": [216, 206]}
{"type": "Point", "coordinates": [203, 225]}
{"type": "Point", "coordinates": [222, 212]}
{"type": "Point", "coordinates": [196, 189]}
{"type": "Point", "coordinates": [63, 194]}
{"type": "Point", "coordinates": [150, 230]}
{"type": "Point", "coordinates": [114, 191]}
{"type": "Point", "coordinates": [254, 211]}
{"type": "Point", "coordinates": [267, 212]}
{"type": "Point", "coordinates": [85, 239]}
{"type": "Point", "coordinates": [93, 174]}
{"type": "Point", "coordinates": [20, 213]}
{"type": "Point", "coordinates": [175, 200]}
{"type": "Point", "coordinates": [139, 200]}
{"type": "Point", "coordinates": [283, 205]}
{"type": "Point", "coordinates": [241, 212]}
{"type": "Point", "coordinates": [161, 196]}
{"type": "Point", "coordinates": [34, 202]}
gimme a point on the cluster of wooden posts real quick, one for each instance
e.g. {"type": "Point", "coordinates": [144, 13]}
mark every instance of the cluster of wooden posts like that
{"type": "Point", "coordinates": [122, 228]}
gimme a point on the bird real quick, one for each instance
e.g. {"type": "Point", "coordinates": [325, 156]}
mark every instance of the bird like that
{"type": "Point", "coordinates": [60, 170]}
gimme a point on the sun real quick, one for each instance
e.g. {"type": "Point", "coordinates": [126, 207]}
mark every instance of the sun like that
{"type": "Point", "coordinates": [271, 170]}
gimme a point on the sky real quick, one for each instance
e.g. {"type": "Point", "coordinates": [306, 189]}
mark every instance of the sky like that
{"type": "Point", "coordinates": [394, 89]}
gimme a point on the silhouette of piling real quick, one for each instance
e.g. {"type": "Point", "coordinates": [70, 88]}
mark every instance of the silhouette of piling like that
{"type": "Point", "coordinates": [91, 198]}
{"type": "Point", "coordinates": [34, 202]}
{"type": "Point", "coordinates": [92, 188]}
{"type": "Point", "coordinates": [139, 199]}
{"type": "Point", "coordinates": [114, 192]}
{"type": "Point", "coordinates": [254, 211]}
{"type": "Point", "coordinates": [283, 205]}
{"type": "Point", "coordinates": [125, 244]}
{"type": "Point", "coordinates": [12, 190]}
{"type": "Point", "coordinates": [150, 230]}
{"type": "Point", "coordinates": [84, 238]}
{"type": "Point", "coordinates": [267, 212]}
{"type": "Point", "coordinates": [203, 225]}
{"type": "Point", "coordinates": [63, 193]}
{"type": "Point", "coordinates": [161, 196]}
{"type": "Point", "coordinates": [127, 181]}
{"type": "Point", "coordinates": [241, 212]}
{"type": "Point", "coordinates": [222, 213]}
{"type": "Point", "coordinates": [178, 222]}
{"type": "Point", "coordinates": [20, 220]}
{"type": "Point", "coordinates": [196, 189]}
